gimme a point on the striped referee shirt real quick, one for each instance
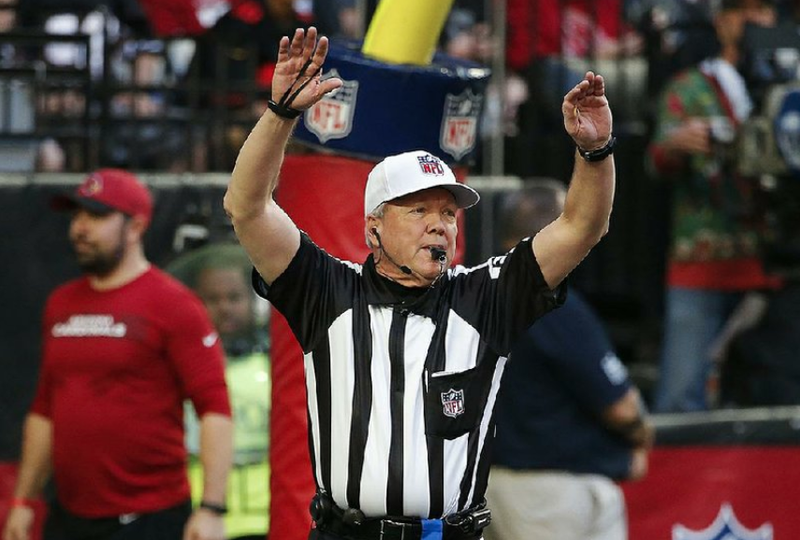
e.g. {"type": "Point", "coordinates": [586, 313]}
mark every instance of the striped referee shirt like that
{"type": "Point", "coordinates": [401, 382]}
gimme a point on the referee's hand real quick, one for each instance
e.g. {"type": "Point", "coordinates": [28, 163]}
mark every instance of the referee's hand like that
{"type": "Point", "coordinates": [297, 81]}
{"type": "Point", "coordinates": [587, 115]}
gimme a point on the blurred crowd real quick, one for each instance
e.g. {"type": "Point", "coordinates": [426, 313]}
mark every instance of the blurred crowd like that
{"type": "Point", "coordinates": [141, 84]}
{"type": "Point", "coordinates": [138, 83]}
{"type": "Point", "coordinates": [706, 101]}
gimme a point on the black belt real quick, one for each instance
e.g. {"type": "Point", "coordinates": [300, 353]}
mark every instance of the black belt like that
{"type": "Point", "coordinates": [352, 524]}
{"type": "Point", "coordinates": [75, 526]}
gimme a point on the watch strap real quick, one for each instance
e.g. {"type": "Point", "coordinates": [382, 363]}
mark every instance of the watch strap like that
{"type": "Point", "coordinates": [219, 509]}
{"type": "Point", "coordinates": [601, 153]}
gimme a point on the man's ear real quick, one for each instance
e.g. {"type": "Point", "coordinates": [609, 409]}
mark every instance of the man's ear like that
{"type": "Point", "coordinates": [138, 226]}
{"type": "Point", "coordinates": [373, 226]}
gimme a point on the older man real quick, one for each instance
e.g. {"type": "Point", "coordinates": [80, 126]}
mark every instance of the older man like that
{"type": "Point", "coordinates": [403, 353]}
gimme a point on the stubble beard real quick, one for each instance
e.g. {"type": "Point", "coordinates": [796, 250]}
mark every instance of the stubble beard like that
{"type": "Point", "coordinates": [99, 263]}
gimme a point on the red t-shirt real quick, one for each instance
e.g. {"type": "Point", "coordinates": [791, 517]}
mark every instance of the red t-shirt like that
{"type": "Point", "coordinates": [117, 366]}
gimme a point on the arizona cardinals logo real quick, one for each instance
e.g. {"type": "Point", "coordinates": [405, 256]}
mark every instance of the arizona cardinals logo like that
{"type": "Point", "coordinates": [91, 186]}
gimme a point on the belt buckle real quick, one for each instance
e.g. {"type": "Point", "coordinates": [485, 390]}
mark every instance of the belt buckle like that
{"type": "Point", "coordinates": [388, 525]}
{"type": "Point", "coordinates": [470, 522]}
{"type": "Point", "coordinates": [481, 519]}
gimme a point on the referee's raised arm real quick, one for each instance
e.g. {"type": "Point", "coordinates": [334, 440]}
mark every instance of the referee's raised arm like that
{"type": "Point", "coordinates": [265, 231]}
{"type": "Point", "coordinates": [563, 244]}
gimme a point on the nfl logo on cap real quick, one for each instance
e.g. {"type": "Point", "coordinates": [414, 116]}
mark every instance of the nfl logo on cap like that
{"type": "Point", "coordinates": [431, 165]}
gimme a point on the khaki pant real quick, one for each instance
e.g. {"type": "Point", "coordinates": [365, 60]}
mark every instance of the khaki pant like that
{"type": "Point", "coordinates": [551, 505]}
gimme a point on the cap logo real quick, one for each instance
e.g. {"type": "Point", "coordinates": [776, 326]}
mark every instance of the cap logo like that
{"type": "Point", "coordinates": [91, 186]}
{"type": "Point", "coordinates": [429, 164]}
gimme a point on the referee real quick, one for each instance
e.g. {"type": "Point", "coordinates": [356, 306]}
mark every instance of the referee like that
{"type": "Point", "coordinates": [403, 353]}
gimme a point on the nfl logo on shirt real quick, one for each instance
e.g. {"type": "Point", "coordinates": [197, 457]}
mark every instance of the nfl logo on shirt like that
{"type": "Point", "coordinates": [453, 403]}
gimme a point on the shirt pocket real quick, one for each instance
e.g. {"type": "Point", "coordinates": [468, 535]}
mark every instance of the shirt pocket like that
{"type": "Point", "coordinates": [454, 402]}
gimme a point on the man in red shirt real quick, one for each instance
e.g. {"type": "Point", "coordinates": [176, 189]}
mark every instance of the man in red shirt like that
{"type": "Point", "coordinates": [123, 347]}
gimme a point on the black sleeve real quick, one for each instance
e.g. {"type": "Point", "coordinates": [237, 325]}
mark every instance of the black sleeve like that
{"type": "Point", "coordinates": [313, 290]}
{"type": "Point", "coordinates": [502, 297]}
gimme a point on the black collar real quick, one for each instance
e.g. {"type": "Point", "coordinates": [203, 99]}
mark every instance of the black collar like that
{"type": "Point", "coordinates": [383, 291]}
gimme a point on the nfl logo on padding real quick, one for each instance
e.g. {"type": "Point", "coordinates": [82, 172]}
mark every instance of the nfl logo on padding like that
{"type": "Point", "coordinates": [460, 123]}
{"type": "Point", "coordinates": [332, 116]}
{"type": "Point", "coordinates": [453, 403]}
{"type": "Point", "coordinates": [725, 527]}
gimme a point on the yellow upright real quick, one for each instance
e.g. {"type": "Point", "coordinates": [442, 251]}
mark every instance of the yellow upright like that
{"type": "Point", "coordinates": [406, 31]}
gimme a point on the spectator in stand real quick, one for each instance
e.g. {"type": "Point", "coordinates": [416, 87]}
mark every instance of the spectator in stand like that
{"type": "Point", "coordinates": [237, 56]}
{"type": "Point", "coordinates": [8, 22]}
{"type": "Point", "coordinates": [338, 18]}
{"type": "Point", "coordinates": [123, 347]}
{"type": "Point", "coordinates": [713, 258]}
{"type": "Point", "coordinates": [540, 29]}
{"type": "Point", "coordinates": [220, 274]}
{"type": "Point", "coordinates": [143, 132]}
{"type": "Point", "coordinates": [17, 106]}
{"type": "Point", "coordinates": [467, 34]}
{"type": "Point", "coordinates": [543, 38]}
{"type": "Point", "coordinates": [61, 107]}
{"type": "Point", "coordinates": [248, 34]}
{"type": "Point", "coordinates": [137, 129]}
{"type": "Point", "coordinates": [562, 487]}
{"type": "Point", "coordinates": [182, 18]}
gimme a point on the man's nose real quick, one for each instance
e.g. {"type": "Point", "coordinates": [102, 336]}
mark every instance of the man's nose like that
{"type": "Point", "coordinates": [435, 224]}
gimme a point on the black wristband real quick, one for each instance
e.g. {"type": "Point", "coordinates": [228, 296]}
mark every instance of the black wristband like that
{"type": "Point", "coordinates": [219, 509]}
{"type": "Point", "coordinates": [283, 111]}
{"type": "Point", "coordinates": [601, 153]}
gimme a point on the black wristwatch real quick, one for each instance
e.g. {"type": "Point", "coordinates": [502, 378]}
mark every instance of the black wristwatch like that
{"type": "Point", "coordinates": [601, 153]}
{"type": "Point", "coordinates": [219, 509]}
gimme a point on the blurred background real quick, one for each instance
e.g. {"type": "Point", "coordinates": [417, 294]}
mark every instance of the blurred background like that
{"type": "Point", "coordinates": [170, 89]}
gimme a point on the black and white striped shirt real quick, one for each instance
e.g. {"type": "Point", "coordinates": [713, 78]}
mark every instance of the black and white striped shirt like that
{"type": "Point", "coordinates": [401, 382]}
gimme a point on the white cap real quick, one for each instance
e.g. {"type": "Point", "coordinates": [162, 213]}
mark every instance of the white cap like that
{"type": "Point", "coordinates": [411, 172]}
